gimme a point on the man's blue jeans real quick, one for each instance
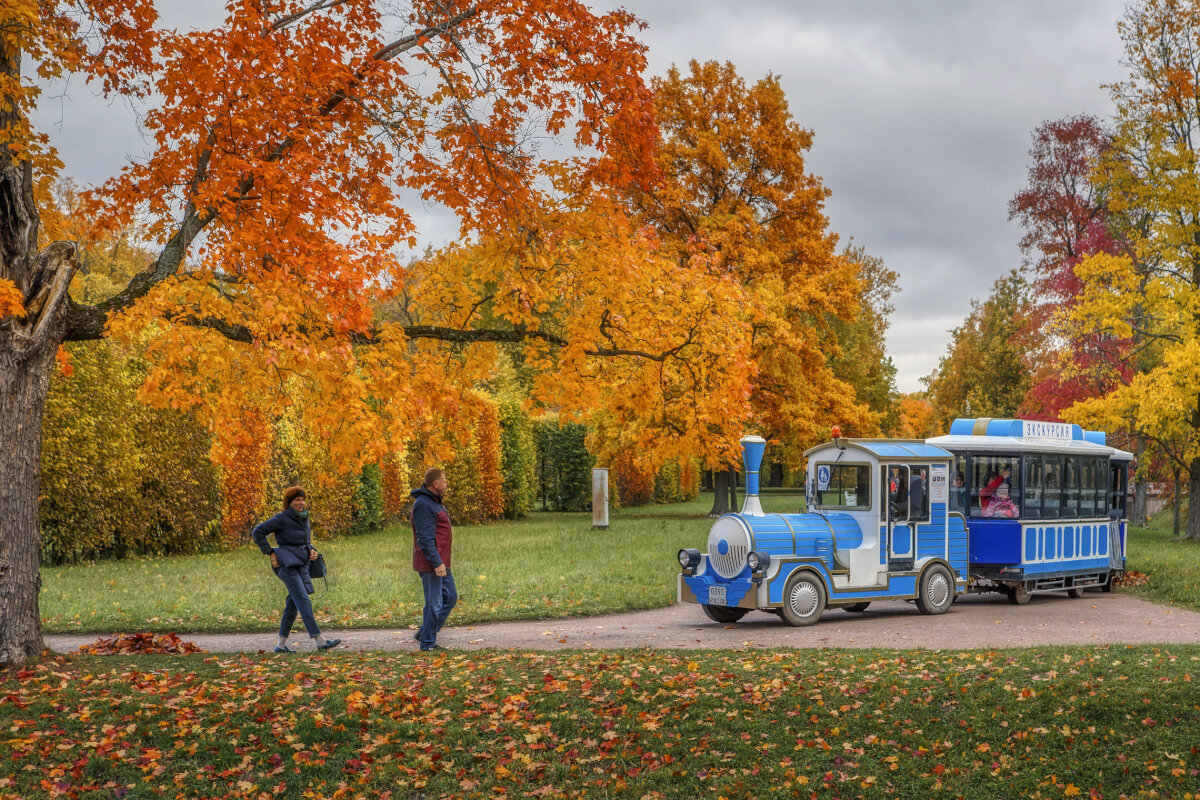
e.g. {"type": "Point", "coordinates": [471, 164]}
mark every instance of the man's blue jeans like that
{"type": "Point", "coordinates": [297, 601]}
{"type": "Point", "coordinates": [441, 595]}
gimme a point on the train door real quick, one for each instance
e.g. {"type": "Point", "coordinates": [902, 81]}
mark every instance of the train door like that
{"type": "Point", "coordinates": [905, 503]}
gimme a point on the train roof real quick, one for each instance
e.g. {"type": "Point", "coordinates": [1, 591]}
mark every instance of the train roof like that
{"type": "Point", "coordinates": [1026, 444]}
{"type": "Point", "coordinates": [1026, 436]}
{"type": "Point", "coordinates": [888, 449]}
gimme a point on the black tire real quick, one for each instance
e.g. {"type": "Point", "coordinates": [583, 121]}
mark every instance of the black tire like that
{"type": "Point", "coordinates": [937, 590]}
{"type": "Point", "coordinates": [1019, 595]}
{"type": "Point", "coordinates": [724, 614]}
{"type": "Point", "coordinates": [1108, 582]}
{"type": "Point", "coordinates": [1075, 593]}
{"type": "Point", "coordinates": [858, 608]}
{"type": "Point", "coordinates": [803, 599]}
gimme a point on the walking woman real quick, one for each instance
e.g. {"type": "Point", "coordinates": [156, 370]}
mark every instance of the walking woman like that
{"type": "Point", "coordinates": [290, 558]}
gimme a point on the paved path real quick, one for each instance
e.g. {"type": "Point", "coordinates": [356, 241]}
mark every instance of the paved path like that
{"type": "Point", "coordinates": [975, 621]}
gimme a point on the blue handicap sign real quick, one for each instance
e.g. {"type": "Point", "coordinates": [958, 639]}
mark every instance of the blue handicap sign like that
{"type": "Point", "coordinates": [823, 477]}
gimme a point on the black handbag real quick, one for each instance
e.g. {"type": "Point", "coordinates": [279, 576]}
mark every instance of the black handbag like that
{"type": "Point", "coordinates": [316, 567]}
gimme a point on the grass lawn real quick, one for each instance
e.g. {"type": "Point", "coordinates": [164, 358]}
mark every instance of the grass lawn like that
{"type": "Point", "coordinates": [1171, 565]}
{"type": "Point", "coordinates": [549, 565]}
{"type": "Point", "coordinates": [1107, 722]}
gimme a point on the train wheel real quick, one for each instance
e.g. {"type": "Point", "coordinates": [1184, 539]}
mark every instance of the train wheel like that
{"type": "Point", "coordinates": [1019, 595]}
{"type": "Point", "coordinates": [803, 599]}
{"type": "Point", "coordinates": [1075, 593]}
{"type": "Point", "coordinates": [1108, 582]}
{"type": "Point", "coordinates": [858, 608]}
{"type": "Point", "coordinates": [724, 614]}
{"type": "Point", "coordinates": [937, 591]}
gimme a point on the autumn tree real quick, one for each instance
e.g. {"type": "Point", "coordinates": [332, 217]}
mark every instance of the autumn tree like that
{"type": "Point", "coordinates": [738, 201]}
{"type": "Point", "coordinates": [282, 140]}
{"type": "Point", "coordinates": [914, 420]}
{"type": "Point", "coordinates": [984, 372]}
{"type": "Point", "coordinates": [1066, 218]}
{"type": "Point", "coordinates": [1150, 291]}
{"type": "Point", "coordinates": [860, 357]}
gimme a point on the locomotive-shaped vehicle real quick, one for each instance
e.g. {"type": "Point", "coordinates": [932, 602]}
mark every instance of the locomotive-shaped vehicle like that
{"type": "Point", "coordinates": [1014, 506]}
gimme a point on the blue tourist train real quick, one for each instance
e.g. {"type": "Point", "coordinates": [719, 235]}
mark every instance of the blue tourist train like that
{"type": "Point", "coordinates": [1011, 506]}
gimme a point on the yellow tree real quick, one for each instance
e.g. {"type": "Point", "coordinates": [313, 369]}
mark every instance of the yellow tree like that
{"type": "Point", "coordinates": [282, 140]}
{"type": "Point", "coordinates": [737, 202]}
{"type": "Point", "coordinates": [1151, 294]}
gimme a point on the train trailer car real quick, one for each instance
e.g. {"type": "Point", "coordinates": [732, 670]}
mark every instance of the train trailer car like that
{"type": "Point", "coordinates": [1013, 506]}
{"type": "Point", "coordinates": [1044, 502]}
{"type": "Point", "coordinates": [878, 528]}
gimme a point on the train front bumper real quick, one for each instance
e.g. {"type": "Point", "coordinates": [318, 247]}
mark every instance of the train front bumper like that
{"type": "Point", "coordinates": [713, 591]}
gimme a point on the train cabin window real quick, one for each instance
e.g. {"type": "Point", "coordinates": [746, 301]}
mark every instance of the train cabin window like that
{"type": "Point", "coordinates": [1089, 493]}
{"type": "Point", "coordinates": [1032, 480]}
{"type": "Point", "coordinates": [906, 492]}
{"type": "Point", "coordinates": [959, 491]}
{"type": "Point", "coordinates": [988, 472]}
{"type": "Point", "coordinates": [1052, 487]}
{"type": "Point", "coordinates": [1072, 481]}
{"type": "Point", "coordinates": [1116, 488]}
{"type": "Point", "coordinates": [849, 487]}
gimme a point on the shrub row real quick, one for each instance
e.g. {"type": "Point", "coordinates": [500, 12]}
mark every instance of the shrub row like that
{"type": "Point", "coordinates": [120, 478]}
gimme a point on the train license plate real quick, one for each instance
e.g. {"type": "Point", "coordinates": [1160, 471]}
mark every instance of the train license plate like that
{"type": "Point", "coordinates": [716, 595]}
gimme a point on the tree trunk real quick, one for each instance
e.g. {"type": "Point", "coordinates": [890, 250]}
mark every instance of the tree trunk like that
{"type": "Point", "coordinates": [1177, 473]}
{"type": "Point", "coordinates": [720, 493]}
{"type": "Point", "coordinates": [27, 347]}
{"type": "Point", "coordinates": [23, 385]}
{"type": "Point", "coordinates": [1193, 517]}
{"type": "Point", "coordinates": [1139, 516]}
{"type": "Point", "coordinates": [776, 475]}
{"type": "Point", "coordinates": [733, 501]}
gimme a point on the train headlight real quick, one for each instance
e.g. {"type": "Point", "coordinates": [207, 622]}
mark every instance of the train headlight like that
{"type": "Point", "coordinates": [689, 558]}
{"type": "Point", "coordinates": [757, 561]}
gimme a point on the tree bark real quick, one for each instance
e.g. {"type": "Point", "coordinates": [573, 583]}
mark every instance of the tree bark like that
{"type": "Point", "coordinates": [720, 493]}
{"type": "Point", "coordinates": [1193, 517]}
{"type": "Point", "coordinates": [23, 385]}
{"type": "Point", "coordinates": [1176, 474]}
{"type": "Point", "coordinates": [1140, 485]}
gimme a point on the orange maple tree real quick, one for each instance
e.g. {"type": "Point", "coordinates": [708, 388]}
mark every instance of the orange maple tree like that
{"type": "Point", "coordinates": [739, 205]}
{"type": "Point", "coordinates": [283, 140]}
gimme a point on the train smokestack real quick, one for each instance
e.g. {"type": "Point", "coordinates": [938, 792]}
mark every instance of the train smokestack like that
{"type": "Point", "coordinates": [752, 453]}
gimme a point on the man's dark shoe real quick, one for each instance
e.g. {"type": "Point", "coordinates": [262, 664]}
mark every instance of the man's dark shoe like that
{"type": "Point", "coordinates": [329, 644]}
{"type": "Point", "coordinates": [432, 647]}
{"type": "Point", "coordinates": [416, 636]}
{"type": "Point", "coordinates": [283, 648]}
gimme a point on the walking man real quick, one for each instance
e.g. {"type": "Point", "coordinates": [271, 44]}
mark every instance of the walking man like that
{"type": "Point", "coordinates": [432, 538]}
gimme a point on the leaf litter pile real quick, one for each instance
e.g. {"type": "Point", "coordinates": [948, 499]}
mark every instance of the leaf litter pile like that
{"type": "Point", "coordinates": [1104, 722]}
{"type": "Point", "coordinates": [139, 643]}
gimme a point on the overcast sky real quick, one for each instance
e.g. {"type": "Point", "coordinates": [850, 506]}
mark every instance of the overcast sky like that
{"type": "Point", "coordinates": [921, 111]}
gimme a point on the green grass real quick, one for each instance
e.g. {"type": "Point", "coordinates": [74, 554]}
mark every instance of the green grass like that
{"type": "Point", "coordinates": [550, 565]}
{"type": "Point", "coordinates": [1044, 723]}
{"type": "Point", "coordinates": [1172, 566]}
